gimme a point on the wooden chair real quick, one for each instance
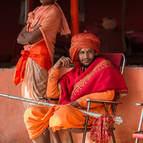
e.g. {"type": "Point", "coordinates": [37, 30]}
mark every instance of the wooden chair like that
{"type": "Point", "coordinates": [118, 60]}
{"type": "Point", "coordinates": [139, 134]}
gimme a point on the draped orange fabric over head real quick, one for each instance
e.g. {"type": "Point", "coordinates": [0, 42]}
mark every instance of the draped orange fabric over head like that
{"type": "Point", "coordinates": [83, 40]}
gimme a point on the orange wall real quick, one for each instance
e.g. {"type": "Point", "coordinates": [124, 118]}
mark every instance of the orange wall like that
{"type": "Point", "coordinates": [12, 129]}
{"type": "Point", "coordinates": [128, 111]}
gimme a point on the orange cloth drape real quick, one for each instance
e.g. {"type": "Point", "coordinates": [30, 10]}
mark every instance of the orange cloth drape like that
{"type": "Point", "coordinates": [74, 17]}
{"type": "Point", "coordinates": [38, 118]}
{"type": "Point", "coordinates": [38, 53]}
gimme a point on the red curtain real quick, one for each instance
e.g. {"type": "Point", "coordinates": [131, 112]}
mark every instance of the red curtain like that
{"type": "Point", "coordinates": [74, 17]}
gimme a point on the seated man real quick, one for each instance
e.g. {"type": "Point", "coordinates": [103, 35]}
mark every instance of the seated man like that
{"type": "Point", "coordinates": [92, 77]}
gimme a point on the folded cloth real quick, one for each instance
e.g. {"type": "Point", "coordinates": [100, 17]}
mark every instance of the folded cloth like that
{"type": "Point", "coordinates": [101, 129]}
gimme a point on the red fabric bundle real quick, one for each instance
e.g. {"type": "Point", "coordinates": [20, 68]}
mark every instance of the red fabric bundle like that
{"type": "Point", "coordinates": [101, 129]}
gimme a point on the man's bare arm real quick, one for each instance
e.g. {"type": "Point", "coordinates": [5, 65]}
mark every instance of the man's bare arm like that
{"type": "Point", "coordinates": [21, 39]}
{"type": "Point", "coordinates": [26, 37]}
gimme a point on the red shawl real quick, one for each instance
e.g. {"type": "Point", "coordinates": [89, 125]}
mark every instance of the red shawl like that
{"type": "Point", "coordinates": [99, 76]}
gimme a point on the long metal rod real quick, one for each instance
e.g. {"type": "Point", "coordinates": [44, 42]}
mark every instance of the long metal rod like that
{"type": "Point", "coordinates": [26, 100]}
{"type": "Point", "coordinates": [86, 122]}
{"type": "Point", "coordinates": [118, 119]}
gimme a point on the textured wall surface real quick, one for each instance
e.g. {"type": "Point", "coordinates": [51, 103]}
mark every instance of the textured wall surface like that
{"type": "Point", "coordinates": [12, 128]}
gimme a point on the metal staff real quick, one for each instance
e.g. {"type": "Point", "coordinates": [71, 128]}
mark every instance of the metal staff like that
{"type": "Point", "coordinates": [118, 119]}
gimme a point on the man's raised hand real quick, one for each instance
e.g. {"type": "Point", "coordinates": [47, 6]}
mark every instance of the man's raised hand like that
{"type": "Point", "coordinates": [63, 62]}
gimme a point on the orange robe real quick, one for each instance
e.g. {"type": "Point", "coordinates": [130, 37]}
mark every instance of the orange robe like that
{"type": "Point", "coordinates": [33, 71]}
{"type": "Point", "coordinates": [38, 118]}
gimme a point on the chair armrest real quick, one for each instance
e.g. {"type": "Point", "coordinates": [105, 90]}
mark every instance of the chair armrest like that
{"type": "Point", "coordinates": [99, 101]}
{"type": "Point", "coordinates": [139, 104]}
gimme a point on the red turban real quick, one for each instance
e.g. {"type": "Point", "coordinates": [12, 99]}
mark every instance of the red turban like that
{"type": "Point", "coordinates": [83, 40]}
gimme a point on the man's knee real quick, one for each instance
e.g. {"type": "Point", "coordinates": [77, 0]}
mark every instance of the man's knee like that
{"type": "Point", "coordinates": [63, 111]}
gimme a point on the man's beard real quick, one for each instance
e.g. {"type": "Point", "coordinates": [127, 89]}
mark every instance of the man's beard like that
{"type": "Point", "coordinates": [86, 66]}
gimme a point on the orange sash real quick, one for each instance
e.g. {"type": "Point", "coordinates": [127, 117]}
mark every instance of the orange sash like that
{"type": "Point", "coordinates": [38, 53]}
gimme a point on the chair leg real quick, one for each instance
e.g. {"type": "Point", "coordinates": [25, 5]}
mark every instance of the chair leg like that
{"type": "Point", "coordinates": [70, 136]}
{"type": "Point", "coordinates": [86, 122]}
{"type": "Point", "coordinates": [113, 136]}
{"type": "Point", "coordinates": [112, 130]}
{"type": "Point", "coordinates": [140, 124]}
{"type": "Point", "coordinates": [136, 141]}
{"type": "Point", "coordinates": [85, 130]}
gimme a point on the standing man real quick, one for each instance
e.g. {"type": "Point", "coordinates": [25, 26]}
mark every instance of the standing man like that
{"type": "Point", "coordinates": [38, 38]}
